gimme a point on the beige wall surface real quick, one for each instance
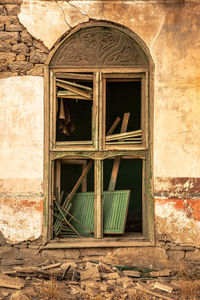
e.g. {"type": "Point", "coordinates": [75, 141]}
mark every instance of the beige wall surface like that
{"type": "Point", "coordinates": [172, 33]}
{"type": "Point", "coordinates": [21, 157]}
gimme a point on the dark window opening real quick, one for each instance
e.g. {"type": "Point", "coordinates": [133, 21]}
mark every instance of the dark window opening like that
{"type": "Point", "coordinates": [74, 109]}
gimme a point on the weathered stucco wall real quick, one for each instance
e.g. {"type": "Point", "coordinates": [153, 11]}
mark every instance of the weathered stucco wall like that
{"type": "Point", "coordinates": [172, 32]}
{"type": "Point", "coordinates": [21, 157]}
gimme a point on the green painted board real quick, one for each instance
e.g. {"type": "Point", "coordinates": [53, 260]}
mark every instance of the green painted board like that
{"type": "Point", "coordinates": [115, 208]}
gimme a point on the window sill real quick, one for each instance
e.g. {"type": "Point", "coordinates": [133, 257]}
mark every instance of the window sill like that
{"type": "Point", "coordinates": [128, 241]}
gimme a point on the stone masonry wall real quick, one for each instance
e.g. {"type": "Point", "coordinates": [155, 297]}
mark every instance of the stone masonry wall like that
{"type": "Point", "coordinates": [20, 53]}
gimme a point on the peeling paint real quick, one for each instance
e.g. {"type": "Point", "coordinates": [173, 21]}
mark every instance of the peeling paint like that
{"type": "Point", "coordinates": [178, 219]}
{"type": "Point", "coordinates": [21, 218]}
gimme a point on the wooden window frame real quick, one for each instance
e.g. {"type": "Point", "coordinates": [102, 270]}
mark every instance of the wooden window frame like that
{"type": "Point", "coordinates": [56, 150]}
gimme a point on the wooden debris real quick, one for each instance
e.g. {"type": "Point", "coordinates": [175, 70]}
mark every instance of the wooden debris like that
{"type": "Point", "coordinates": [115, 169]}
{"type": "Point", "coordinates": [163, 287]}
{"type": "Point", "coordinates": [125, 135]}
{"type": "Point", "coordinates": [141, 288]}
{"type": "Point", "coordinates": [132, 273]}
{"type": "Point", "coordinates": [51, 266]}
{"type": "Point", "coordinates": [78, 89]}
{"type": "Point", "coordinates": [163, 273]}
{"type": "Point", "coordinates": [12, 283]}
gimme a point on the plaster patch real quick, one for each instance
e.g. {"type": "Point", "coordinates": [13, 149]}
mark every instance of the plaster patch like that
{"type": "Point", "coordinates": [175, 222]}
{"type": "Point", "coordinates": [48, 20]}
{"type": "Point", "coordinates": [176, 131]}
{"type": "Point", "coordinates": [20, 222]}
{"type": "Point", "coordinates": [21, 127]}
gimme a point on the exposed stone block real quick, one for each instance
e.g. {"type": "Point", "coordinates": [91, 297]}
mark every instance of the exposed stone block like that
{"type": "Point", "coordinates": [40, 46]}
{"type": "Point", "coordinates": [3, 66]}
{"type": "Point", "coordinates": [7, 56]}
{"type": "Point", "coordinates": [193, 255]}
{"type": "Point", "coordinates": [13, 9]}
{"type": "Point", "coordinates": [26, 38]}
{"type": "Point", "coordinates": [14, 27]}
{"type": "Point", "coordinates": [7, 74]}
{"type": "Point", "coordinates": [60, 254]}
{"type": "Point", "coordinates": [175, 255]}
{"type": "Point", "coordinates": [20, 48]}
{"type": "Point", "coordinates": [20, 66]}
{"type": "Point", "coordinates": [1, 26]}
{"type": "Point", "coordinates": [6, 251]}
{"type": "Point", "coordinates": [9, 20]}
{"type": "Point", "coordinates": [21, 57]}
{"type": "Point", "coordinates": [37, 70]}
{"type": "Point", "coordinates": [9, 37]}
{"type": "Point", "coordinates": [5, 47]}
{"type": "Point", "coordinates": [147, 257]}
{"type": "Point", "coordinates": [37, 57]}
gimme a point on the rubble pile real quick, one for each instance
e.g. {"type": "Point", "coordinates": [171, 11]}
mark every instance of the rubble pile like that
{"type": "Point", "coordinates": [26, 273]}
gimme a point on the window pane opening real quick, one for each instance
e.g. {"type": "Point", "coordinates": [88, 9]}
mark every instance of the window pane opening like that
{"type": "Point", "coordinates": [74, 109]}
{"type": "Point", "coordinates": [74, 198]}
{"type": "Point", "coordinates": [124, 97]}
{"type": "Point", "coordinates": [125, 174]}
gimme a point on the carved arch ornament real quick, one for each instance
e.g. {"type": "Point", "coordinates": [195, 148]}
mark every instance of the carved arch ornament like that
{"type": "Point", "coordinates": [99, 45]}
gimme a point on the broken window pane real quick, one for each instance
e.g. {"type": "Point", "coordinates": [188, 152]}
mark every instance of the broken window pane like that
{"type": "Point", "coordinates": [74, 198]}
{"type": "Point", "coordinates": [74, 109]}
{"type": "Point", "coordinates": [123, 174]}
{"type": "Point", "coordinates": [123, 100]}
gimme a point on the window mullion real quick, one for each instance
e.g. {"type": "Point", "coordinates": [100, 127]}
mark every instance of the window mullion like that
{"type": "Point", "coordinates": [98, 183]}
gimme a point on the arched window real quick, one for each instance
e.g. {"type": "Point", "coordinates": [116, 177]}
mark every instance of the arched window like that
{"type": "Point", "coordinates": [98, 138]}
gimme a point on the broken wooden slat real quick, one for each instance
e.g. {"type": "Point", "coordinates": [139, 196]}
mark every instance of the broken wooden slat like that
{"type": "Point", "coordinates": [12, 283]}
{"type": "Point", "coordinates": [68, 223]}
{"type": "Point", "coordinates": [75, 84]}
{"type": "Point", "coordinates": [163, 287]}
{"type": "Point", "coordinates": [51, 266]}
{"type": "Point", "coordinates": [114, 125]}
{"type": "Point", "coordinates": [115, 169]}
{"type": "Point", "coordinates": [70, 95]}
{"type": "Point", "coordinates": [141, 288]}
{"type": "Point", "coordinates": [84, 93]}
{"type": "Point", "coordinates": [122, 136]}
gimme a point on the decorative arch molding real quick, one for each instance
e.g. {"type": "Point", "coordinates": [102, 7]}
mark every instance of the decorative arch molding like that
{"type": "Point", "coordinates": [105, 50]}
{"type": "Point", "coordinates": [100, 44]}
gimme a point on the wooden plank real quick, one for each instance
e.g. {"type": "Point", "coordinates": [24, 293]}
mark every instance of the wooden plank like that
{"type": "Point", "coordinates": [114, 125]}
{"type": "Point", "coordinates": [98, 203]}
{"type": "Point", "coordinates": [58, 175]}
{"type": "Point", "coordinates": [75, 76]}
{"type": "Point", "coordinates": [121, 136]}
{"type": "Point", "coordinates": [84, 183]}
{"type": "Point", "coordinates": [75, 84]}
{"type": "Point", "coordinates": [46, 224]}
{"type": "Point", "coordinates": [75, 188]}
{"type": "Point", "coordinates": [78, 91]}
{"type": "Point", "coordinates": [71, 95]}
{"type": "Point", "coordinates": [12, 283]}
{"type": "Point", "coordinates": [141, 288]}
{"type": "Point", "coordinates": [115, 169]}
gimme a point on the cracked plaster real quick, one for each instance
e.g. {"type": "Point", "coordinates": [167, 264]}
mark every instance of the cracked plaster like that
{"type": "Point", "coordinates": [48, 20]}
